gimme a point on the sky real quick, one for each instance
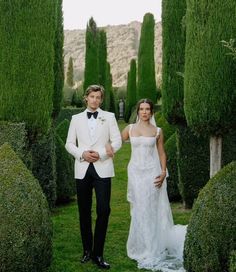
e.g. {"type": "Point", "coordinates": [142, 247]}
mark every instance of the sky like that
{"type": "Point", "coordinates": [107, 12]}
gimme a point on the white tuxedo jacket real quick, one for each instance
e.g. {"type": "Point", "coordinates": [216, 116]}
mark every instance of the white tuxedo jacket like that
{"type": "Point", "coordinates": [79, 140]}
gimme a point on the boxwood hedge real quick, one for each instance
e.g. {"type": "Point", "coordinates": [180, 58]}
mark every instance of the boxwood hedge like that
{"type": "Point", "coordinates": [211, 234]}
{"type": "Point", "coordinates": [26, 227]}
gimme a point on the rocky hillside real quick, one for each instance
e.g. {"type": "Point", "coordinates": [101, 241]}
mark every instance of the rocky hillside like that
{"type": "Point", "coordinates": [122, 46]}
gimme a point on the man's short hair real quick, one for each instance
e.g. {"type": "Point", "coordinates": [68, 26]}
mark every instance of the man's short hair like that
{"type": "Point", "coordinates": [94, 88]}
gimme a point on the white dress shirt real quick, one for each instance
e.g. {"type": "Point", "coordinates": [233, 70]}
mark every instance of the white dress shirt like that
{"type": "Point", "coordinates": [92, 125]}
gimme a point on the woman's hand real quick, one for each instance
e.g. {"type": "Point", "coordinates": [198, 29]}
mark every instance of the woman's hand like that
{"type": "Point", "coordinates": [109, 150]}
{"type": "Point", "coordinates": [159, 180]}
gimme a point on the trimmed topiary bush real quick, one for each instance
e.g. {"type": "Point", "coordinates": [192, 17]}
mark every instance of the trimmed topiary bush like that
{"type": "Point", "coordinates": [133, 116]}
{"type": "Point", "coordinates": [167, 129]}
{"type": "Point", "coordinates": [193, 164]}
{"type": "Point", "coordinates": [229, 147]}
{"type": "Point", "coordinates": [66, 113]}
{"type": "Point", "coordinates": [158, 115]}
{"type": "Point", "coordinates": [211, 234]}
{"type": "Point", "coordinates": [62, 129]}
{"type": "Point", "coordinates": [172, 180]}
{"type": "Point", "coordinates": [26, 227]}
{"type": "Point", "coordinates": [16, 135]}
{"type": "Point", "coordinates": [65, 172]}
{"type": "Point", "coordinates": [44, 165]}
{"type": "Point", "coordinates": [232, 266]}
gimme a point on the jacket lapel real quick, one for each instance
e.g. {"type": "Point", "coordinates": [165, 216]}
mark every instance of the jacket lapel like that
{"type": "Point", "coordinates": [84, 125]}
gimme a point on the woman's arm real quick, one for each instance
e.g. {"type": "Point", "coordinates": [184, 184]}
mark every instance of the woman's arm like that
{"type": "Point", "coordinates": [125, 134]}
{"type": "Point", "coordinates": [162, 155]}
{"type": "Point", "coordinates": [161, 152]}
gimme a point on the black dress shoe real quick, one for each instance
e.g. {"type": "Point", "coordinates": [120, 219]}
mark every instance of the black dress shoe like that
{"type": "Point", "coordinates": [86, 257]}
{"type": "Point", "coordinates": [98, 260]}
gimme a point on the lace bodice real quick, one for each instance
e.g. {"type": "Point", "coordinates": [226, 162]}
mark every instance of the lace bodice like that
{"type": "Point", "coordinates": [144, 152]}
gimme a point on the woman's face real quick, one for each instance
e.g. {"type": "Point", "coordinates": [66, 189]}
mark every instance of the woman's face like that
{"type": "Point", "coordinates": [144, 112]}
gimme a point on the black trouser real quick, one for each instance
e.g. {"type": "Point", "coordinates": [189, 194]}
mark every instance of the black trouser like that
{"type": "Point", "coordinates": [102, 188]}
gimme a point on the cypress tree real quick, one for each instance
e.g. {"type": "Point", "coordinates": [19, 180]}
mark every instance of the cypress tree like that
{"type": "Point", "coordinates": [27, 32]}
{"type": "Point", "coordinates": [188, 145]}
{"type": "Point", "coordinates": [210, 81]}
{"type": "Point", "coordinates": [58, 61]}
{"type": "Point", "coordinates": [91, 55]}
{"type": "Point", "coordinates": [70, 73]}
{"type": "Point", "coordinates": [146, 87]}
{"type": "Point", "coordinates": [173, 50]}
{"type": "Point", "coordinates": [131, 99]}
{"type": "Point", "coordinates": [102, 57]}
{"type": "Point", "coordinates": [108, 88]}
{"type": "Point", "coordinates": [114, 106]}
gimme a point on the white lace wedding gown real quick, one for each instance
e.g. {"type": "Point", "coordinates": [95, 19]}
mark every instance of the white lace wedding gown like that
{"type": "Point", "coordinates": [154, 241]}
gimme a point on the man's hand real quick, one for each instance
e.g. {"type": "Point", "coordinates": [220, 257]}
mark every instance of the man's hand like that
{"type": "Point", "coordinates": [90, 156]}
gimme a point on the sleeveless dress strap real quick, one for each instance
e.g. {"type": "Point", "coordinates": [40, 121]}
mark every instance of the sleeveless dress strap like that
{"type": "Point", "coordinates": [158, 132]}
{"type": "Point", "coordinates": [130, 128]}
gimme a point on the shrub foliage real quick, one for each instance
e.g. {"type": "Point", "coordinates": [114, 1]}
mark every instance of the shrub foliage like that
{"type": "Point", "coordinates": [44, 165]}
{"type": "Point", "coordinates": [27, 31]}
{"type": "Point", "coordinates": [209, 79]}
{"type": "Point", "coordinates": [26, 228]}
{"type": "Point", "coordinates": [65, 172]}
{"type": "Point", "coordinates": [193, 164]}
{"type": "Point", "coordinates": [172, 180]}
{"type": "Point", "coordinates": [146, 87]}
{"type": "Point", "coordinates": [211, 234]}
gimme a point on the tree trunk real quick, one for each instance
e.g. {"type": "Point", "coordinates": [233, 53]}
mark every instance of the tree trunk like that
{"type": "Point", "coordinates": [215, 154]}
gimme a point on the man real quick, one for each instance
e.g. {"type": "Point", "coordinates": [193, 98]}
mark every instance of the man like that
{"type": "Point", "coordinates": [88, 135]}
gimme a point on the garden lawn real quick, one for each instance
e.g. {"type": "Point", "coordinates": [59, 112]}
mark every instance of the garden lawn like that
{"type": "Point", "coordinates": [66, 241]}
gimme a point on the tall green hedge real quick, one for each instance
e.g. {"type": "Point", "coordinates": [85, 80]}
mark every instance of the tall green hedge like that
{"type": "Point", "coordinates": [64, 165]}
{"type": "Point", "coordinates": [146, 86]}
{"type": "Point", "coordinates": [26, 227]}
{"type": "Point", "coordinates": [229, 147]}
{"type": "Point", "coordinates": [58, 60]}
{"type": "Point", "coordinates": [173, 39]}
{"type": "Point", "coordinates": [91, 70]}
{"type": "Point", "coordinates": [108, 88]}
{"type": "Point", "coordinates": [232, 266]}
{"type": "Point", "coordinates": [15, 135]}
{"type": "Point", "coordinates": [193, 164]}
{"type": "Point", "coordinates": [64, 172]}
{"type": "Point", "coordinates": [62, 129]}
{"type": "Point", "coordinates": [172, 180]}
{"type": "Point", "coordinates": [66, 113]}
{"type": "Point", "coordinates": [167, 129]}
{"type": "Point", "coordinates": [114, 106]}
{"type": "Point", "coordinates": [44, 165]}
{"type": "Point", "coordinates": [209, 80]}
{"type": "Point", "coordinates": [102, 57]}
{"type": "Point", "coordinates": [211, 233]}
{"type": "Point", "coordinates": [27, 31]}
{"type": "Point", "coordinates": [131, 96]}
{"type": "Point", "coordinates": [70, 73]}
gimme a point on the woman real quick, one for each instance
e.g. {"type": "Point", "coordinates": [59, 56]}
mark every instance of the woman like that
{"type": "Point", "coordinates": [154, 242]}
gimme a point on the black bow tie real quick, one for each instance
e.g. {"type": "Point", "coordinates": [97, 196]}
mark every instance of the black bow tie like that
{"type": "Point", "coordinates": [89, 114]}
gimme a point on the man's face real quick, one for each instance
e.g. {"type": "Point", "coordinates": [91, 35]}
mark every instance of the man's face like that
{"type": "Point", "coordinates": [94, 100]}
